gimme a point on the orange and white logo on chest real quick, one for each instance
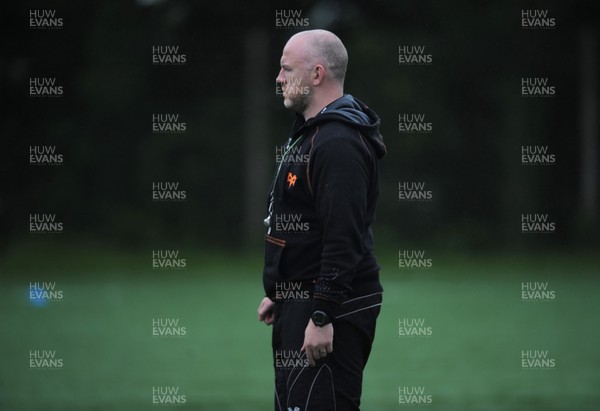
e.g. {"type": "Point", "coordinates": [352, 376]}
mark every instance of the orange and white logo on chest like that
{"type": "Point", "coordinates": [291, 179]}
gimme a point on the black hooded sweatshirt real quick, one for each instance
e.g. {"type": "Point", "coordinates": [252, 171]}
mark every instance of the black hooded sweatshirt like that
{"type": "Point", "coordinates": [323, 206]}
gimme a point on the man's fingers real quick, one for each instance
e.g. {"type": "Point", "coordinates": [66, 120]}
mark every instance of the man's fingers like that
{"type": "Point", "coordinates": [267, 318]}
{"type": "Point", "coordinates": [311, 358]}
{"type": "Point", "coordinates": [260, 311]}
{"type": "Point", "coordinates": [313, 354]}
{"type": "Point", "coordinates": [265, 311]}
{"type": "Point", "coordinates": [261, 314]}
{"type": "Point", "coordinates": [309, 354]}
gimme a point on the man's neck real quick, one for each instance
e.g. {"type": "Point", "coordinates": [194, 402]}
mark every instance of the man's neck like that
{"type": "Point", "coordinates": [320, 103]}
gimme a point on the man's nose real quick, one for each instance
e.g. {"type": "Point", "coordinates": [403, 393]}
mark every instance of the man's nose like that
{"type": "Point", "coordinates": [280, 79]}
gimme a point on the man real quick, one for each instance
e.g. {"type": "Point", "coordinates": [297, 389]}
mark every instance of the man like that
{"type": "Point", "coordinates": [320, 275]}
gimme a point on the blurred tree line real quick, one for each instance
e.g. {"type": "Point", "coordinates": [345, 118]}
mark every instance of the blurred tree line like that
{"type": "Point", "coordinates": [225, 93]}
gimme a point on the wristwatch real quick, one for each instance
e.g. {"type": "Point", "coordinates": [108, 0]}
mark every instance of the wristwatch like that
{"type": "Point", "coordinates": [320, 318]}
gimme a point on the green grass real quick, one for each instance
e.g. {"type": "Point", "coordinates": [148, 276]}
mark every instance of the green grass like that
{"type": "Point", "coordinates": [103, 331]}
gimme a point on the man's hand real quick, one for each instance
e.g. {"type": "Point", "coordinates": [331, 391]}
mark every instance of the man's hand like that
{"type": "Point", "coordinates": [318, 342]}
{"type": "Point", "coordinates": [265, 311]}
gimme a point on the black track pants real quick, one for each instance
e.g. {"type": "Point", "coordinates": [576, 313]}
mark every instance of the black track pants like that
{"type": "Point", "coordinates": [335, 384]}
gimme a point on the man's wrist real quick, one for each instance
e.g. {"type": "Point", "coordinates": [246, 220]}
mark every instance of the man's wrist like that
{"type": "Point", "coordinates": [321, 318]}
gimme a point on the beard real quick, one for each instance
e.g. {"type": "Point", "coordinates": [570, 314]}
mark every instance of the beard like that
{"type": "Point", "coordinates": [297, 102]}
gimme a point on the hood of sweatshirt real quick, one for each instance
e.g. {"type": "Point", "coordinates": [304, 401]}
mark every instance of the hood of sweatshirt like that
{"type": "Point", "coordinates": [353, 112]}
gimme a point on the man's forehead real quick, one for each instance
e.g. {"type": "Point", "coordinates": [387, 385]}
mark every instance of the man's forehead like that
{"type": "Point", "coordinates": [293, 52]}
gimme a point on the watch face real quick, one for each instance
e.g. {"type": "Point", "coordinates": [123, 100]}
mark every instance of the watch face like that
{"type": "Point", "coordinates": [318, 317]}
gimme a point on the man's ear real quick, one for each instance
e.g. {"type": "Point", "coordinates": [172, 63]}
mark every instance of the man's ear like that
{"type": "Point", "coordinates": [318, 74]}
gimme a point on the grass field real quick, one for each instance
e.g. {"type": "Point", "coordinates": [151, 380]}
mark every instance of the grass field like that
{"type": "Point", "coordinates": [102, 330]}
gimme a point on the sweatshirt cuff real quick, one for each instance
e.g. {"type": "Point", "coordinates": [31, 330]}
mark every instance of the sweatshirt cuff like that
{"type": "Point", "coordinates": [332, 308]}
{"type": "Point", "coordinates": [328, 298]}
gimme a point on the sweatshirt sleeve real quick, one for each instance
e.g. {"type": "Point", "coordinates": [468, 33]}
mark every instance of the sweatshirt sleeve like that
{"type": "Point", "coordinates": [340, 184]}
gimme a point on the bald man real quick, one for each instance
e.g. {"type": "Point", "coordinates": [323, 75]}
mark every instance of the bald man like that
{"type": "Point", "coordinates": [320, 276]}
